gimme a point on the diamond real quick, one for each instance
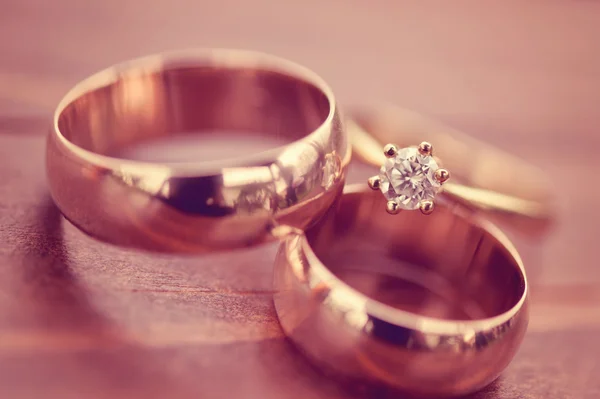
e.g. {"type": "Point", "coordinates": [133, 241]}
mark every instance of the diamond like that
{"type": "Point", "coordinates": [408, 177]}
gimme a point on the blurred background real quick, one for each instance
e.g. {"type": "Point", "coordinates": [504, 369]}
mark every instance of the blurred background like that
{"type": "Point", "coordinates": [79, 318]}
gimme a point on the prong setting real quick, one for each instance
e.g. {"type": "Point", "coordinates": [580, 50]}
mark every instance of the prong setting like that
{"type": "Point", "coordinates": [392, 207]}
{"type": "Point", "coordinates": [442, 175]}
{"type": "Point", "coordinates": [425, 148]}
{"type": "Point", "coordinates": [374, 182]}
{"type": "Point", "coordinates": [410, 178]}
{"type": "Point", "coordinates": [390, 150]}
{"type": "Point", "coordinates": [426, 207]}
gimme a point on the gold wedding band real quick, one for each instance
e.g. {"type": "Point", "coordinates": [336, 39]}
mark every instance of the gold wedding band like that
{"type": "Point", "coordinates": [205, 205]}
{"type": "Point", "coordinates": [431, 305]}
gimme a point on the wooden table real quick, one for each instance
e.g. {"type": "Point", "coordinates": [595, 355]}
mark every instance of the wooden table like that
{"type": "Point", "coordinates": [82, 319]}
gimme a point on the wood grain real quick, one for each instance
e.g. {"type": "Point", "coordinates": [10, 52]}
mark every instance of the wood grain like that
{"type": "Point", "coordinates": [79, 318]}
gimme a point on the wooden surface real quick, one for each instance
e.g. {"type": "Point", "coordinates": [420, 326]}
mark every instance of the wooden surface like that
{"type": "Point", "coordinates": [81, 319]}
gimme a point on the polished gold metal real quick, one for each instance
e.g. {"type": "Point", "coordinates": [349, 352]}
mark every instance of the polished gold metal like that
{"type": "Point", "coordinates": [508, 189]}
{"type": "Point", "coordinates": [425, 149]}
{"type": "Point", "coordinates": [442, 175]}
{"type": "Point", "coordinates": [426, 207]}
{"type": "Point", "coordinates": [392, 208]}
{"type": "Point", "coordinates": [374, 182]}
{"type": "Point", "coordinates": [433, 306]}
{"type": "Point", "coordinates": [205, 205]}
{"type": "Point", "coordinates": [390, 150]}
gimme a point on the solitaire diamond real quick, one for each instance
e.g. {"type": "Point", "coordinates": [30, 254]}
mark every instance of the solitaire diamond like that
{"type": "Point", "coordinates": [408, 178]}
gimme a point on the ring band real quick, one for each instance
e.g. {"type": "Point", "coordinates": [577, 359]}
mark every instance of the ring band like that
{"type": "Point", "coordinates": [483, 177]}
{"type": "Point", "coordinates": [431, 305]}
{"type": "Point", "coordinates": [198, 206]}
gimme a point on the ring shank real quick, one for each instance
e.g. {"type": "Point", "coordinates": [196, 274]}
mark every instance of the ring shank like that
{"type": "Point", "coordinates": [433, 305]}
{"type": "Point", "coordinates": [140, 105]}
{"type": "Point", "coordinates": [458, 253]}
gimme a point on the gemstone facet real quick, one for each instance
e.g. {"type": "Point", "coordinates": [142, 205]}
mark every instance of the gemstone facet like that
{"type": "Point", "coordinates": [409, 178]}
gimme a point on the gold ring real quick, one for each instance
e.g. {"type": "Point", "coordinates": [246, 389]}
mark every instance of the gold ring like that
{"type": "Point", "coordinates": [483, 177]}
{"type": "Point", "coordinates": [205, 205]}
{"type": "Point", "coordinates": [430, 305]}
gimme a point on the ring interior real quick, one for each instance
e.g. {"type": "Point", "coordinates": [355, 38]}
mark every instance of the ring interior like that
{"type": "Point", "coordinates": [144, 104]}
{"type": "Point", "coordinates": [442, 265]}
